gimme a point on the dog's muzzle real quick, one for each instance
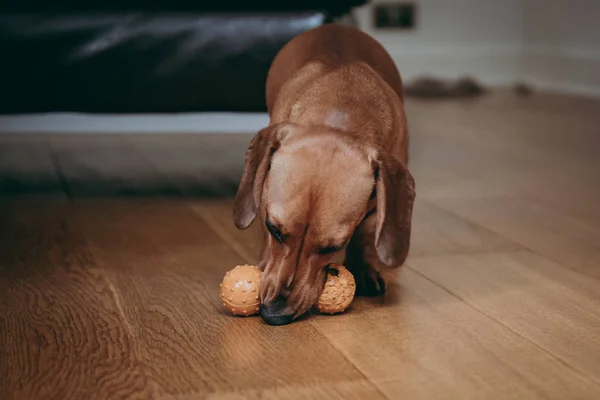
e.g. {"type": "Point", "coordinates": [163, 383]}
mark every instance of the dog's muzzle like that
{"type": "Point", "coordinates": [276, 312]}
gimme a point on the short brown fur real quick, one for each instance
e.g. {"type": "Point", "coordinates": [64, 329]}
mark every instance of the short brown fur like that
{"type": "Point", "coordinates": [330, 172]}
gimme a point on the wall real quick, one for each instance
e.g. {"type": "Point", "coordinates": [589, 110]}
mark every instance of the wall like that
{"type": "Point", "coordinates": [553, 44]}
{"type": "Point", "coordinates": [453, 38]}
{"type": "Point", "coordinates": [562, 45]}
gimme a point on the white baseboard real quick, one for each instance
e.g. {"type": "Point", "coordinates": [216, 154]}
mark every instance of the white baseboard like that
{"type": "Point", "coordinates": [153, 123]}
{"type": "Point", "coordinates": [568, 88]}
{"type": "Point", "coordinates": [572, 71]}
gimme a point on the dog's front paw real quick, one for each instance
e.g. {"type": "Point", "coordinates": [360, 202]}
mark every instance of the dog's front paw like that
{"type": "Point", "coordinates": [368, 281]}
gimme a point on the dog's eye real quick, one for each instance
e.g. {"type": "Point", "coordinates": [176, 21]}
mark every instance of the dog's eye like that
{"type": "Point", "coordinates": [274, 231]}
{"type": "Point", "coordinates": [330, 249]}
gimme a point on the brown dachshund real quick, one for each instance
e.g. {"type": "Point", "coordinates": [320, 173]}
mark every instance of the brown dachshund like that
{"type": "Point", "coordinates": [329, 173]}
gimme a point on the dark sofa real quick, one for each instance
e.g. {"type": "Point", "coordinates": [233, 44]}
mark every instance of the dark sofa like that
{"type": "Point", "coordinates": [136, 56]}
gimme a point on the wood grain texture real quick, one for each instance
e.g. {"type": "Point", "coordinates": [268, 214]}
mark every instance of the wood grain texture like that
{"type": "Point", "coordinates": [420, 341]}
{"type": "Point", "coordinates": [186, 343]}
{"type": "Point", "coordinates": [26, 168]}
{"type": "Point", "coordinates": [554, 307]}
{"type": "Point", "coordinates": [219, 216]}
{"type": "Point", "coordinates": [206, 165]}
{"type": "Point", "coordinates": [424, 342]}
{"type": "Point", "coordinates": [142, 226]}
{"type": "Point", "coordinates": [113, 293]}
{"type": "Point", "coordinates": [571, 240]}
{"type": "Point", "coordinates": [97, 165]}
{"type": "Point", "coordinates": [439, 232]}
{"type": "Point", "coordinates": [61, 332]}
{"type": "Point", "coordinates": [353, 390]}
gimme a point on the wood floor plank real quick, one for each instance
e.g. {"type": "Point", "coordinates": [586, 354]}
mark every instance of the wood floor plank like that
{"type": "Point", "coordinates": [26, 167]}
{"type": "Point", "coordinates": [218, 215]}
{"type": "Point", "coordinates": [549, 305]}
{"type": "Point", "coordinates": [186, 343]}
{"type": "Point", "coordinates": [142, 225]}
{"type": "Point", "coordinates": [422, 342]}
{"type": "Point", "coordinates": [569, 240]}
{"type": "Point", "coordinates": [61, 332]}
{"type": "Point", "coordinates": [503, 145]}
{"type": "Point", "coordinates": [354, 390]}
{"type": "Point", "coordinates": [437, 231]}
{"type": "Point", "coordinates": [96, 165]}
{"type": "Point", "coordinates": [207, 165]}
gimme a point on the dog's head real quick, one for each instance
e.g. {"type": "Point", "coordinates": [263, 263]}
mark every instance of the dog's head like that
{"type": "Point", "coordinates": [312, 187]}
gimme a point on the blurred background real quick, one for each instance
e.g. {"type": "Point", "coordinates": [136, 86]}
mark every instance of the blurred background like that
{"type": "Point", "coordinates": [138, 65]}
{"type": "Point", "coordinates": [552, 45]}
{"type": "Point", "coordinates": [135, 67]}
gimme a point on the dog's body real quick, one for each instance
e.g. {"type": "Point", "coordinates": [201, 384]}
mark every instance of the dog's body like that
{"type": "Point", "coordinates": [330, 171]}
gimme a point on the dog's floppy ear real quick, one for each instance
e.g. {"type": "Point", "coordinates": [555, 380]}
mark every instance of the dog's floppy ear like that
{"type": "Point", "coordinates": [395, 190]}
{"type": "Point", "coordinates": [258, 160]}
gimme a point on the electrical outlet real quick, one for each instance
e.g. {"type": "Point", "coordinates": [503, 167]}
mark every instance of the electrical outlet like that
{"type": "Point", "coordinates": [394, 15]}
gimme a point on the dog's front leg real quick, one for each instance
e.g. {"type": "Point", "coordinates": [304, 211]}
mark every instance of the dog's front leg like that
{"type": "Point", "coordinates": [361, 259]}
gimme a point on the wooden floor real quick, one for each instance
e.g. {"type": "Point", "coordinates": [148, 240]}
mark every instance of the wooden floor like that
{"type": "Point", "coordinates": [112, 249]}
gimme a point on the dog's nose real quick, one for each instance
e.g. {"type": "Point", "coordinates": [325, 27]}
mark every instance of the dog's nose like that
{"type": "Point", "coordinates": [276, 313]}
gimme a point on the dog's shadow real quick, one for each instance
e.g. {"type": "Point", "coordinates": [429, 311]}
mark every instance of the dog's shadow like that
{"type": "Point", "coordinates": [392, 298]}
